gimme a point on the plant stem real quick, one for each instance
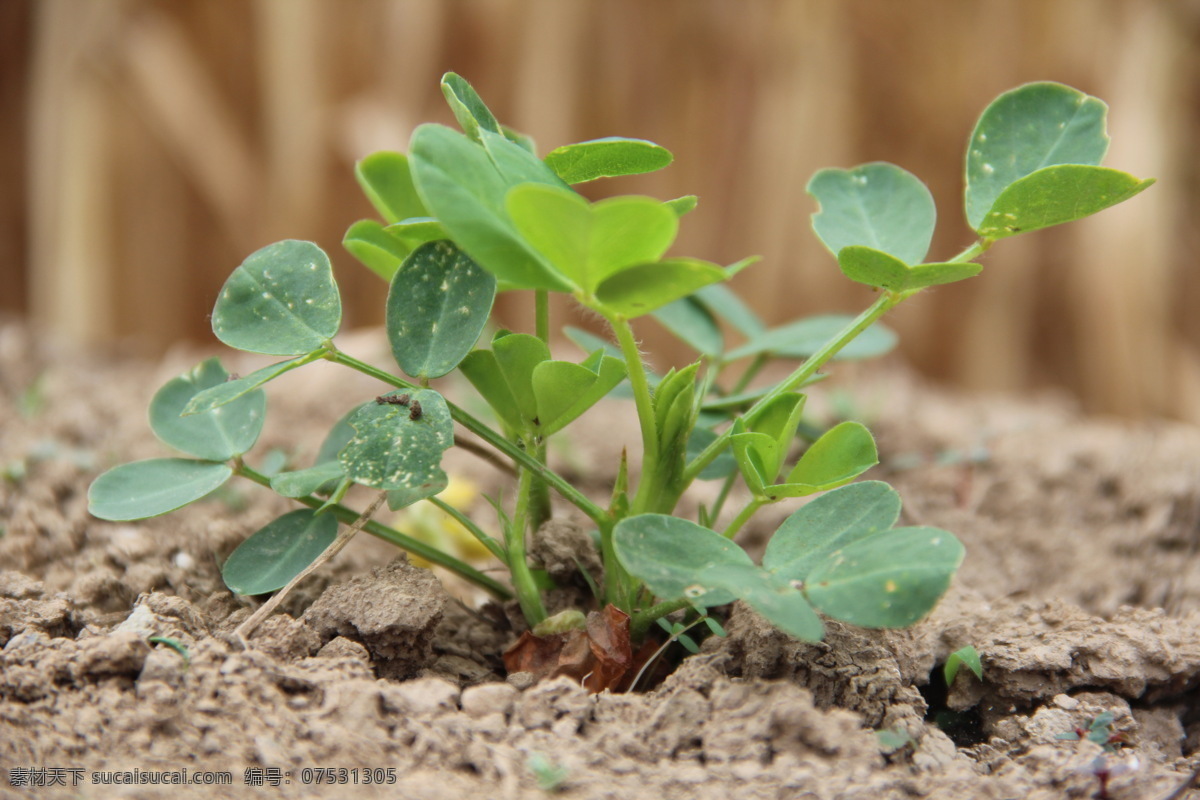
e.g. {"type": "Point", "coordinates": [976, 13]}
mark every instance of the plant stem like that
{"type": "Point", "coordinates": [539, 508]}
{"type": "Point", "coordinates": [514, 540]}
{"type": "Point", "coordinates": [489, 542]}
{"type": "Point", "coordinates": [393, 536]}
{"type": "Point", "coordinates": [541, 314]}
{"type": "Point", "coordinates": [751, 371]}
{"type": "Point", "coordinates": [743, 517]}
{"type": "Point", "coordinates": [645, 408]}
{"type": "Point", "coordinates": [559, 484]}
{"type": "Point", "coordinates": [641, 621]}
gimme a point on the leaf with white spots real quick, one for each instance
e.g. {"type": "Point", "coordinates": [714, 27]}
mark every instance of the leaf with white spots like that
{"type": "Point", "coordinates": [216, 434]}
{"type": "Point", "coordinates": [399, 446]}
{"type": "Point", "coordinates": [437, 306]}
{"type": "Point", "coordinates": [887, 580]}
{"type": "Point", "coordinates": [281, 301]}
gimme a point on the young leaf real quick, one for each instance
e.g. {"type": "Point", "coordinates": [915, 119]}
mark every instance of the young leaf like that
{"type": "Point", "coordinates": [877, 268]}
{"type": "Point", "coordinates": [967, 656]}
{"type": "Point", "coordinates": [671, 554]}
{"type": "Point", "coordinates": [802, 338]}
{"type": "Point", "coordinates": [810, 534]}
{"type": "Point", "coordinates": [780, 602]}
{"type": "Point", "coordinates": [149, 488]}
{"type": "Point", "coordinates": [395, 447]}
{"type": "Point", "coordinates": [281, 301]}
{"type": "Point", "coordinates": [403, 498]}
{"type": "Point", "coordinates": [464, 188]}
{"type": "Point", "coordinates": [228, 390]}
{"type": "Point", "coordinates": [1023, 130]}
{"type": "Point", "coordinates": [481, 368]}
{"type": "Point", "coordinates": [642, 288]}
{"type": "Point", "coordinates": [693, 324]}
{"type": "Point", "coordinates": [844, 452]}
{"type": "Point", "coordinates": [303, 482]}
{"type": "Point", "coordinates": [878, 205]}
{"type": "Point", "coordinates": [375, 247]}
{"type": "Point", "coordinates": [387, 182]}
{"type": "Point", "coordinates": [591, 242]}
{"type": "Point", "coordinates": [416, 231]}
{"type": "Point", "coordinates": [468, 107]}
{"type": "Point", "coordinates": [216, 435]}
{"type": "Point", "coordinates": [517, 355]}
{"type": "Point", "coordinates": [1054, 195]}
{"type": "Point", "coordinates": [889, 580]}
{"type": "Point", "coordinates": [758, 458]}
{"type": "Point", "coordinates": [437, 306]}
{"type": "Point", "coordinates": [607, 158]}
{"type": "Point", "coordinates": [682, 205]}
{"type": "Point", "coordinates": [278, 552]}
{"type": "Point", "coordinates": [565, 390]}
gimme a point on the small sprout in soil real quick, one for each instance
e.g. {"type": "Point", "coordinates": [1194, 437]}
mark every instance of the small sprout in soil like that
{"type": "Point", "coordinates": [174, 644]}
{"type": "Point", "coordinates": [894, 740]}
{"type": "Point", "coordinates": [464, 215]}
{"type": "Point", "coordinates": [967, 656]}
{"type": "Point", "coordinates": [1098, 731]}
{"type": "Point", "coordinates": [550, 775]}
{"type": "Point", "coordinates": [1104, 771]}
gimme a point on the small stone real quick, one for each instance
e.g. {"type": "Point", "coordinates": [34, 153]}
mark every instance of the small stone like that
{"type": "Point", "coordinates": [422, 696]}
{"type": "Point", "coordinates": [1066, 702]}
{"type": "Point", "coordinates": [488, 698]}
{"type": "Point", "coordinates": [341, 647]}
{"type": "Point", "coordinates": [521, 680]}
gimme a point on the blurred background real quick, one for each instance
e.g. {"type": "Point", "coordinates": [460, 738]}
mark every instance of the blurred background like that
{"type": "Point", "coordinates": [150, 145]}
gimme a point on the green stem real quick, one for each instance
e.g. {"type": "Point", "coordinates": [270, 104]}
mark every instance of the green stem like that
{"type": "Point", "coordinates": [494, 547]}
{"type": "Point", "coordinates": [743, 517]}
{"type": "Point", "coordinates": [523, 459]}
{"type": "Point", "coordinates": [645, 408]}
{"type": "Point", "coordinates": [393, 536]}
{"type": "Point", "coordinates": [641, 621]}
{"type": "Point", "coordinates": [539, 509]}
{"type": "Point", "coordinates": [514, 540]}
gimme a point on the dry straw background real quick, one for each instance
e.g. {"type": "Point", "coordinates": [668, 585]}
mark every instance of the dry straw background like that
{"type": "Point", "coordinates": [150, 145]}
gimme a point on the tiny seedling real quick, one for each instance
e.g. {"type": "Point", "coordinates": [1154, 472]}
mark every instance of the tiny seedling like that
{"type": "Point", "coordinates": [965, 656]}
{"type": "Point", "coordinates": [894, 740]}
{"type": "Point", "coordinates": [1098, 731]}
{"type": "Point", "coordinates": [1104, 771]}
{"type": "Point", "coordinates": [550, 775]}
{"type": "Point", "coordinates": [466, 215]}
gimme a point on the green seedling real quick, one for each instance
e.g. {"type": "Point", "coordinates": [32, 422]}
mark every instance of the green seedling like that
{"type": "Point", "coordinates": [1099, 731]}
{"type": "Point", "coordinates": [466, 215]}
{"type": "Point", "coordinates": [894, 740]}
{"type": "Point", "coordinates": [965, 656]}
{"type": "Point", "coordinates": [549, 774]}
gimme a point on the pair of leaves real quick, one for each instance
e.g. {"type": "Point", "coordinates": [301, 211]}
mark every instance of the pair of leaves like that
{"type": "Point", "coordinates": [530, 391]}
{"type": "Point", "coordinates": [878, 219]}
{"type": "Point", "coordinates": [760, 446]}
{"type": "Point", "coordinates": [839, 554]}
{"type": "Point", "coordinates": [155, 486]}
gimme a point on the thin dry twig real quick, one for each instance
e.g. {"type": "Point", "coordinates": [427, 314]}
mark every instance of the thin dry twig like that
{"type": "Point", "coordinates": [243, 631]}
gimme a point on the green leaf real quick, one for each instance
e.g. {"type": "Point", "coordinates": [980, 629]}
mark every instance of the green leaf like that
{"type": "Point", "coordinates": [831, 521]}
{"type": "Point", "coordinates": [278, 552]}
{"type": "Point", "coordinates": [216, 435]}
{"type": "Point", "coordinates": [878, 205]}
{"type": "Point", "coordinates": [843, 452]}
{"type": "Point", "coordinates": [437, 306]}
{"type": "Point", "coordinates": [877, 268]}
{"type": "Point", "coordinates": [468, 107]}
{"type": "Point", "coordinates": [889, 580]}
{"type": "Point", "coordinates": [693, 324]}
{"type": "Point", "coordinates": [299, 483]}
{"type": "Point", "coordinates": [682, 205]}
{"type": "Point", "coordinates": [375, 247]}
{"type": "Point", "coordinates": [387, 182]}
{"type": "Point", "coordinates": [758, 458]}
{"type": "Point", "coordinates": [517, 355]}
{"type": "Point", "coordinates": [1033, 126]}
{"type": "Point", "coordinates": [416, 231]}
{"type": "Point", "coordinates": [481, 368]}
{"type": "Point", "coordinates": [591, 242]}
{"type": "Point", "coordinates": [781, 603]}
{"type": "Point", "coordinates": [724, 302]}
{"type": "Point", "coordinates": [464, 188]}
{"type": "Point", "coordinates": [281, 301]}
{"type": "Point", "coordinates": [967, 656]}
{"type": "Point", "coordinates": [564, 390]}
{"type": "Point", "coordinates": [338, 437]}
{"type": "Point", "coordinates": [403, 498]}
{"type": "Point", "coordinates": [607, 158]}
{"type": "Point", "coordinates": [394, 447]}
{"type": "Point", "coordinates": [228, 390]}
{"type": "Point", "coordinates": [149, 488]}
{"type": "Point", "coordinates": [670, 555]}
{"type": "Point", "coordinates": [642, 288]}
{"type": "Point", "coordinates": [802, 338]}
{"type": "Point", "coordinates": [1054, 195]}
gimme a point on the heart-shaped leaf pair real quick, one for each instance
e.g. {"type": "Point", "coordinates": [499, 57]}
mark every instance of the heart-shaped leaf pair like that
{"type": "Point", "coordinates": [1033, 158]}
{"type": "Point", "coordinates": [529, 391]}
{"type": "Point", "coordinates": [838, 554]}
{"type": "Point", "coordinates": [878, 219]}
{"type": "Point", "coordinates": [149, 488]}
